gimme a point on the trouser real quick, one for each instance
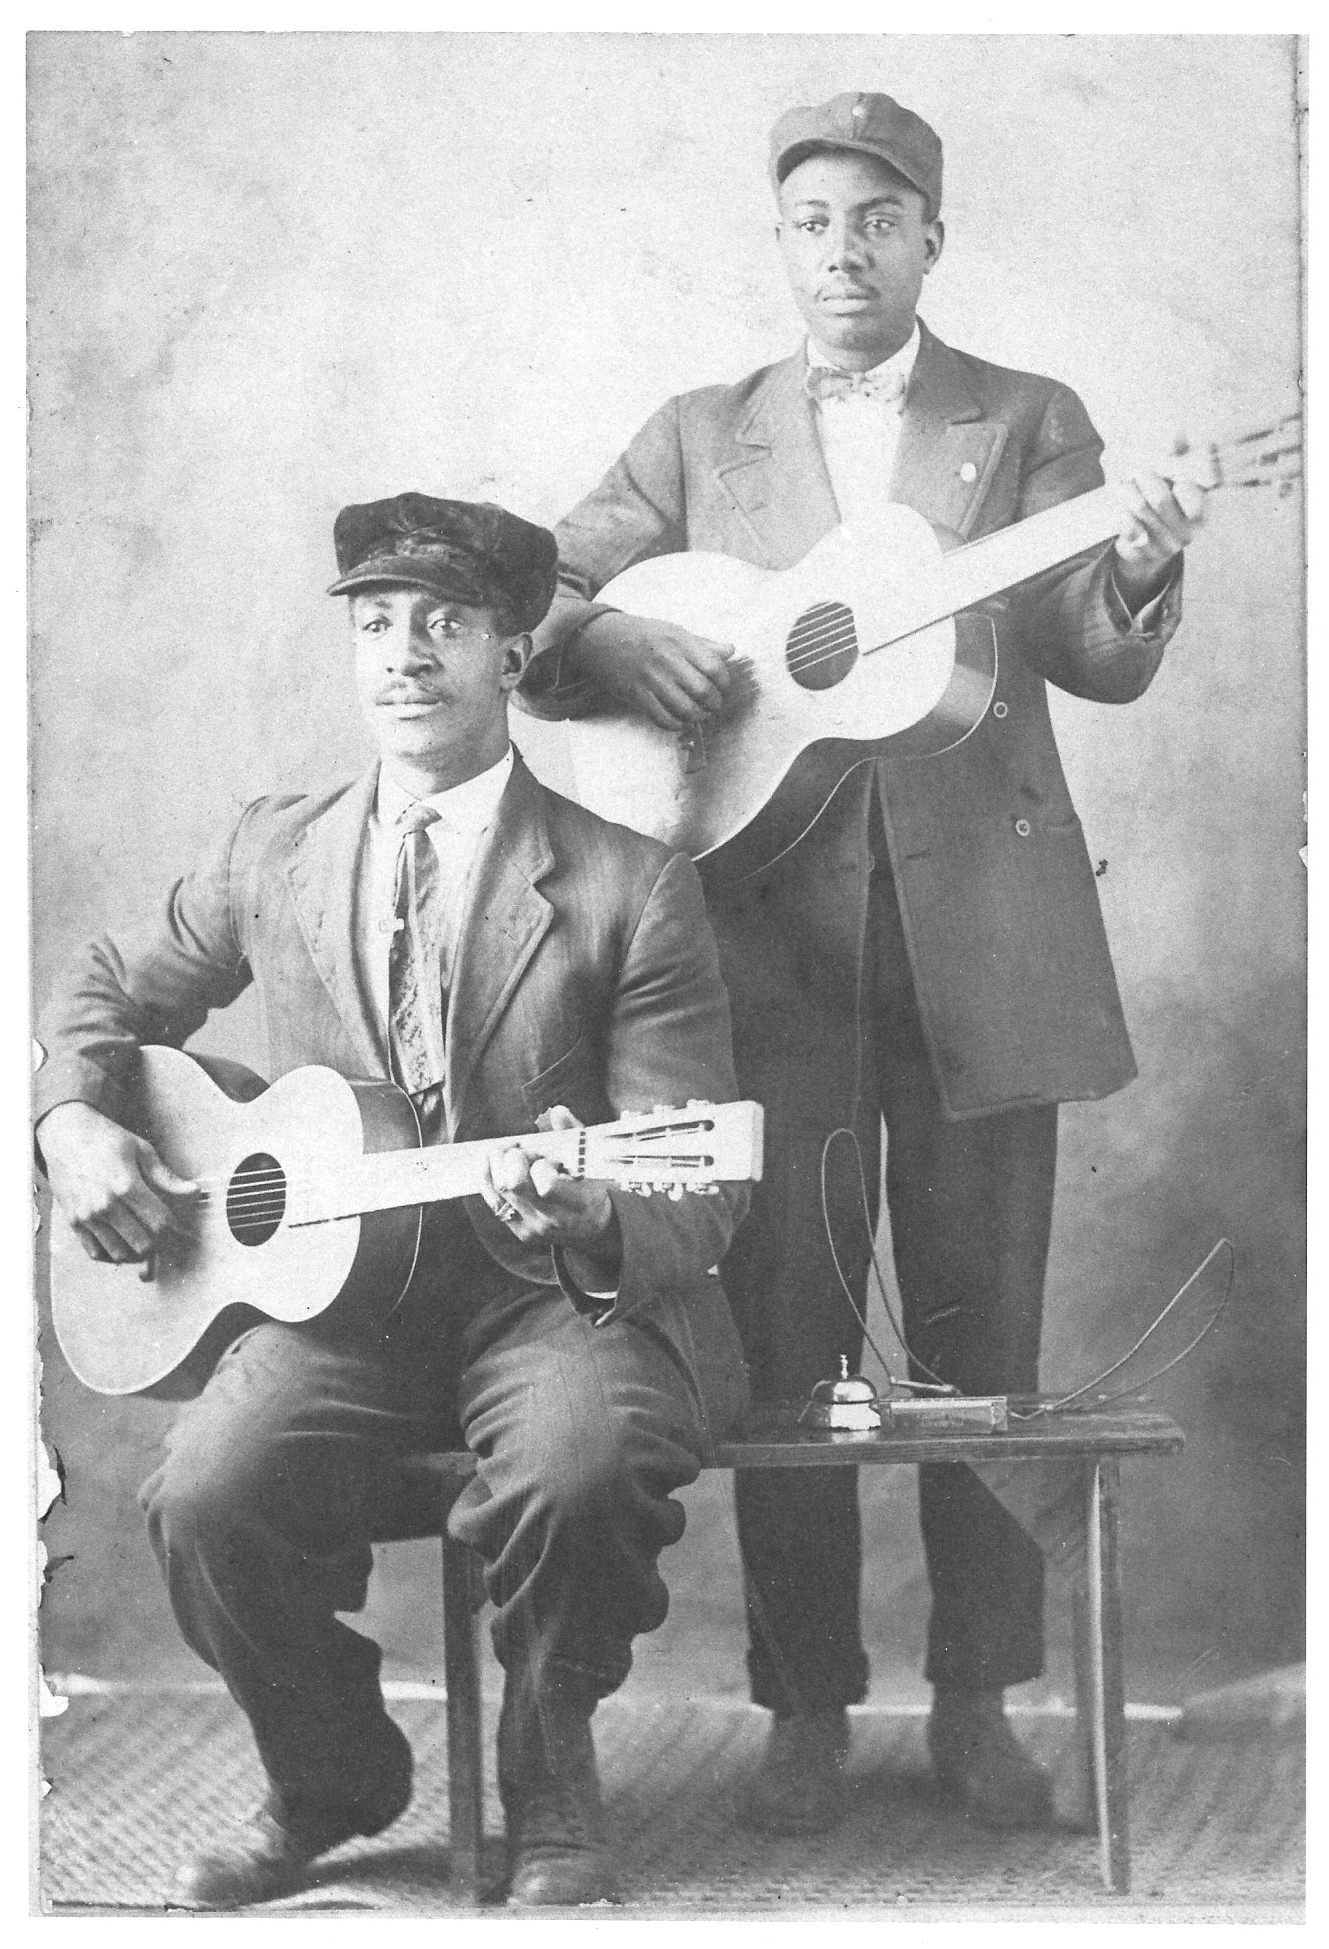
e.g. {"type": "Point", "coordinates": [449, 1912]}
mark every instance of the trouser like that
{"type": "Point", "coordinates": [263, 1509]}
{"type": "Point", "coordinates": [970, 1205]}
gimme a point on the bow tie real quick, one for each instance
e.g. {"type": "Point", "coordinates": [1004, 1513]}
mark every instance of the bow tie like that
{"type": "Point", "coordinates": [827, 382]}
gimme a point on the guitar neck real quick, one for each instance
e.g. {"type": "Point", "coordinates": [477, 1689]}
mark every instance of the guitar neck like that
{"type": "Point", "coordinates": [386, 1180]}
{"type": "Point", "coordinates": [971, 574]}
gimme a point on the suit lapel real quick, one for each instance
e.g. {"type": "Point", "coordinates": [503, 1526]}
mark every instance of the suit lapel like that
{"type": "Point", "coordinates": [775, 475]}
{"type": "Point", "coordinates": [947, 452]}
{"type": "Point", "coordinates": [324, 872]}
{"type": "Point", "coordinates": [504, 921]}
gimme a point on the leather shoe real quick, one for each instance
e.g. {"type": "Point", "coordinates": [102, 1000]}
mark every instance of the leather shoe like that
{"type": "Point", "coordinates": [270, 1853]}
{"type": "Point", "coordinates": [558, 1850]}
{"type": "Point", "coordinates": [799, 1784]}
{"type": "Point", "coordinates": [979, 1761]}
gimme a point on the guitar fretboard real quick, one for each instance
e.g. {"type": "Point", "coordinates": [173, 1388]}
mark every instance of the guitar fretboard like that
{"type": "Point", "coordinates": [385, 1180]}
{"type": "Point", "coordinates": [971, 574]}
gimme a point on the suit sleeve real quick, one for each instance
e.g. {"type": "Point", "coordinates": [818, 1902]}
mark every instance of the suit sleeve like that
{"type": "Point", "coordinates": [155, 980]}
{"type": "Point", "coordinates": [638, 510]}
{"type": "Point", "coordinates": [668, 1040]}
{"type": "Point", "coordinates": [1072, 624]}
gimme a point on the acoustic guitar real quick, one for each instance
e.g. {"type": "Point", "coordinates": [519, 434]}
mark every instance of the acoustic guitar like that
{"type": "Point", "coordinates": [862, 650]}
{"type": "Point", "coordinates": [311, 1197]}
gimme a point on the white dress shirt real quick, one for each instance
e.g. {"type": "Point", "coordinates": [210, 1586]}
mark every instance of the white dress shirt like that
{"type": "Point", "coordinates": [859, 435]}
{"type": "Point", "coordinates": [465, 813]}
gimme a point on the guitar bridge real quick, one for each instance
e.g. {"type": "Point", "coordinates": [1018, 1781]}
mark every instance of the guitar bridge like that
{"type": "Point", "coordinates": [692, 743]}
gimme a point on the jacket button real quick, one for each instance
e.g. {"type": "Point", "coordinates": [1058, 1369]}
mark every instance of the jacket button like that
{"type": "Point", "coordinates": [999, 709]}
{"type": "Point", "coordinates": [1023, 827]}
{"type": "Point", "coordinates": [969, 473]}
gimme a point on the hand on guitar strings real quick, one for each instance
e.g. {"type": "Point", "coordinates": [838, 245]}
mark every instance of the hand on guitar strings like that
{"type": "Point", "coordinates": [655, 669]}
{"type": "Point", "coordinates": [540, 1204]}
{"type": "Point", "coordinates": [119, 1196]}
{"type": "Point", "coordinates": [1162, 517]}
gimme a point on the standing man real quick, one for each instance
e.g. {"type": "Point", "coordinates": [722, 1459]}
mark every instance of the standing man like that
{"type": "Point", "coordinates": [930, 955]}
{"type": "Point", "coordinates": [501, 954]}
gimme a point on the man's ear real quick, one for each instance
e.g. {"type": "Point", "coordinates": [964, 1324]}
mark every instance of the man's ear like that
{"type": "Point", "coordinates": [936, 241]}
{"type": "Point", "coordinates": [516, 656]}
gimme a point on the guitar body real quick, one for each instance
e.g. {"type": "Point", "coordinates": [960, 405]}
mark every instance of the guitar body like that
{"type": "Point", "coordinates": [122, 1334]}
{"type": "Point", "coordinates": [821, 697]}
{"type": "Point", "coordinates": [312, 1200]}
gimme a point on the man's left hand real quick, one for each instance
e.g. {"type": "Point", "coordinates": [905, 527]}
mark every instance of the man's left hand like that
{"type": "Point", "coordinates": [1161, 519]}
{"type": "Point", "coordinates": [540, 1204]}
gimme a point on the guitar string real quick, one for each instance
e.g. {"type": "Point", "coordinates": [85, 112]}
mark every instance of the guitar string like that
{"type": "Point", "coordinates": [596, 1139]}
{"type": "Point", "coordinates": [803, 647]}
{"type": "Point", "coordinates": [274, 1194]}
{"type": "Point", "coordinates": [808, 649]}
{"type": "Point", "coordinates": [813, 625]}
{"type": "Point", "coordinates": [807, 655]}
{"type": "Point", "coordinates": [244, 1187]}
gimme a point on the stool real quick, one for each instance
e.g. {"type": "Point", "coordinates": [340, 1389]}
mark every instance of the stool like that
{"type": "Point", "coordinates": [1058, 1476]}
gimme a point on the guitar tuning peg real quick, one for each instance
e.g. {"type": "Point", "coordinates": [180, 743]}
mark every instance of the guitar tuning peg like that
{"type": "Point", "coordinates": [675, 1192]}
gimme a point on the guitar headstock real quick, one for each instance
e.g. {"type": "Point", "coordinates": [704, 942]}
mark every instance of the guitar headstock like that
{"type": "Point", "coordinates": [1267, 456]}
{"type": "Point", "coordinates": [694, 1149]}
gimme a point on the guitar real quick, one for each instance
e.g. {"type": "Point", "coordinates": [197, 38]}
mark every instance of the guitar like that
{"type": "Point", "coordinates": [312, 1196]}
{"type": "Point", "coordinates": [861, 650]}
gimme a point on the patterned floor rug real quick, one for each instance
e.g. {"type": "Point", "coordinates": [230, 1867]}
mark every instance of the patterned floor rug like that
{"type": "Point", "coordinates": [137, 1780]}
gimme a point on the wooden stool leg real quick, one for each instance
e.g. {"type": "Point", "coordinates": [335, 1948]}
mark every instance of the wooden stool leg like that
{"type": "Point", "coordinates": [1100, 1673]}
{"type": "Point", "coordinates": [461, 1672]}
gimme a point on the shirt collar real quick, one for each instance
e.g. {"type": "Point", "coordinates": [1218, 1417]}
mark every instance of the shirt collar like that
{"type": "Point", "coordinates": [468, 807]}
{"type": "Point", "coordinates": [901, 361]}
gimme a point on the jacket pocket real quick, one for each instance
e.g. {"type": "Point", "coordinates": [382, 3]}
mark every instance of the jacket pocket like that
{"type": "Point", "coordinates": [543, 1089]}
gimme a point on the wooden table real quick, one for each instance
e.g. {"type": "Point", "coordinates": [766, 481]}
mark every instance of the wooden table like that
{"type": "Point", "coordinates": [1058, 1475]}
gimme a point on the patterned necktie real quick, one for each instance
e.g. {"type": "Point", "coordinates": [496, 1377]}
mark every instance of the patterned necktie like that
{"type": "Point", "coordinates": [416, 1006]}
{"type": "Point", "coordinates": [827, 382]}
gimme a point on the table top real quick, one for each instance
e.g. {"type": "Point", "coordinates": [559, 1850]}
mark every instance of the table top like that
{"type": "Point", "coordinates": [772, 1438]}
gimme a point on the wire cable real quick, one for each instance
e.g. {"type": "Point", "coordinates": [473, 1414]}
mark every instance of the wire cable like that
{"type": "Point", "coordinates": [1063, 1402]}
{"type": "Point", "coordinates": [936, 1385]}
{"type": "Point", "coordinates": [1066, 1401]}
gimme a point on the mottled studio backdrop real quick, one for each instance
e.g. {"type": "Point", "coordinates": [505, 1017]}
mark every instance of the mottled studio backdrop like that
{"type": "Point", "coordinates": [273, 274]}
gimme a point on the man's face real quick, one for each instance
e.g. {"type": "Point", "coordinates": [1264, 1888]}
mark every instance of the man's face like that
{"type": "Point", "coordinates": [433, 677]}
{"type": "Point", "coordinates": [857, 245]}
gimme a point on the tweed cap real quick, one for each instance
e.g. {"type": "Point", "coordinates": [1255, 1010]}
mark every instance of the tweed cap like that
{"type": "Point", "coordinates": [871, 125]}
{"type": "Point", "coordinates": [465, 551]}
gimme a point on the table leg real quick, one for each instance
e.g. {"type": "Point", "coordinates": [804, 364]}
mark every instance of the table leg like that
{"type": "Point", "coordinates": [461, 1673]}
{"type": "Point", "coordinates": [1100, 1675]}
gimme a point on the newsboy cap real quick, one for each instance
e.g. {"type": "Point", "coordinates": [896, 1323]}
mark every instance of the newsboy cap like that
{"type": "Point", "coordinates": [871, 125]}
{"type": "Point", "coordinates": [465, 551]}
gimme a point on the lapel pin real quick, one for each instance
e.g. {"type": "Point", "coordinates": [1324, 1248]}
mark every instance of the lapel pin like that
{"type": "Point", "coordinates": [969, 473]}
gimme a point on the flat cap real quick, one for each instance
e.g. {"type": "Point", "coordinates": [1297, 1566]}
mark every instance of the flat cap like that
{"type": "Point", "coordinates": [871, 125]}
{"type": "Point", "coordinates": [465, 551]}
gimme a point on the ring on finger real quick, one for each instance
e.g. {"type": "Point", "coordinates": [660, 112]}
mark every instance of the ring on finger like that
{"type": "Point", "coordinates": [505, 1211]}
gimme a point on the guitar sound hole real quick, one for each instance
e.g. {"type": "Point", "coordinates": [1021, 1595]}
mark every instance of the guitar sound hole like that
{"type": "Point", "coordinates": [822, 647]}
{"type": "Point", "coordinates": [256, 1199]}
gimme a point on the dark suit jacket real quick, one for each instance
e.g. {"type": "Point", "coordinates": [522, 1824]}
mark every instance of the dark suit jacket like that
{"type": "Point", "coordinates": [585, 974]}
{"type": "Point", "coordinates": [1010, 961]}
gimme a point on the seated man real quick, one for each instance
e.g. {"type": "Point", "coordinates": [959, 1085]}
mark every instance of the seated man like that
{"type": "Point", "coordinates": [501, 954]}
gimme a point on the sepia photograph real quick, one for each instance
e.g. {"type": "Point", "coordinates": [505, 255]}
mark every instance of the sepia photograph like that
{"type": "Point", "coordinates": [666, 727]}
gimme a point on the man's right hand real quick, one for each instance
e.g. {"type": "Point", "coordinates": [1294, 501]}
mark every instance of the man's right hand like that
{"type": "Point", "coordinates": [653, 668]}
{"type": "Point", "coordinates": [114, 1189]}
